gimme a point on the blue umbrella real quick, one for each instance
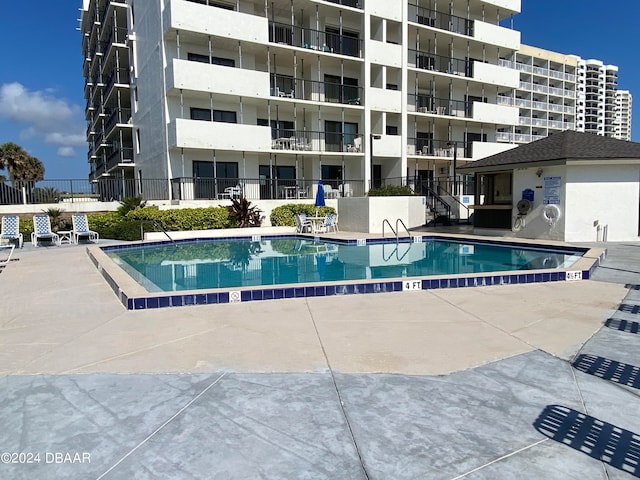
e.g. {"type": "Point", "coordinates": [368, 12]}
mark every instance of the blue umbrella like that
{"type": "Point", "coordinates": [319, 196]}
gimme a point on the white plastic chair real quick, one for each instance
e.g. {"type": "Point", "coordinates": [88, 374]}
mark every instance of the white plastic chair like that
{"type": "Point", "coordinates": [303, 223]}
{"type": "Point", "coordinates": [81, 228]}
{"type": "Point", "coordinates": [42, 230]}
{"type": "Point", "coordinates": [11, 229]}
{"type": "Point", "coordinates": [330, 223]}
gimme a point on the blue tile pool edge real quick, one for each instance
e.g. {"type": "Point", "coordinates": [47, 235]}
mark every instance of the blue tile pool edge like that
{"type": "Point", "coordinates": [173, 299]}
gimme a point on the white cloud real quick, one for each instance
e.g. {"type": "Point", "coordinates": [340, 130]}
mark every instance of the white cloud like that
{"type": "Point", "coordinates": [66, 152]}
{"type": "Point", "coordinates": [54, 120]}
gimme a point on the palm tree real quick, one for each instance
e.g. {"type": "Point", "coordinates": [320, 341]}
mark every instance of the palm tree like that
{"type": "Point", "coordinates": [31, 170]}
{"type": "Point", "coordinates": [13, 158]}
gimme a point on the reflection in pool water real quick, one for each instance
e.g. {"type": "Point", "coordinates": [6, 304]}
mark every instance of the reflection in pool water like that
{"type": "Point", "coordinates": [277, 261]}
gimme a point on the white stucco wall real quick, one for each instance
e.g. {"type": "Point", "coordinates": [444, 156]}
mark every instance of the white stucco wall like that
{"type": "Point", "coordinates": [605, 193]}
{"type": "Point", "coordinates": [366, 214]}
{"type": "Point", "coordinates": [496, 35]}
{"type": "Point", "coordinates": [386, 54]}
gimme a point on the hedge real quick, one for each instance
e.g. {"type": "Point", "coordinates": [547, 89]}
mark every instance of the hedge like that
{"type": "Point", "coordinates": [390, 191]}
{"type": "Point", "coordinates": [284, 216]}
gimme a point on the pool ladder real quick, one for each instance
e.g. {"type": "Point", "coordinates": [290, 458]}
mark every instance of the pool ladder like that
{"type": "Point", "coordinates": [395, 232]}
{"type": "Point", "coordinates": [157, 225]}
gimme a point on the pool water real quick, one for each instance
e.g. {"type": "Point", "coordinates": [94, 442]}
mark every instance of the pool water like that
{"type": "Point", "coordinates": [211, 264]}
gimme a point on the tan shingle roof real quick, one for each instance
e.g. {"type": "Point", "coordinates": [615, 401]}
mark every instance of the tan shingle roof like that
{"type": "Point", "coordinates": [567, 145]}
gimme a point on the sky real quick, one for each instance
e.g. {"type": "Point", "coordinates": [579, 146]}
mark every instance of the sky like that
{"type": "Point", "coordinates": [41, 83]}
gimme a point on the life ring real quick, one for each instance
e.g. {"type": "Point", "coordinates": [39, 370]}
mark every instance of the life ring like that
{"type": "Point", "coordinates": [551, 213]}
{"type": "Point", "coordinates": [519, 224]}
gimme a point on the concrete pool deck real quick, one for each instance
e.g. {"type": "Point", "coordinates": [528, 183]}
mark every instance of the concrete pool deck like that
{"type": "Point", "coordinates": [457, 383]}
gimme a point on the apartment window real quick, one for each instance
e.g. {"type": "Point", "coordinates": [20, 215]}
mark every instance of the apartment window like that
{"type": "Point", "coordinates": [279, 128]}
{"type": "Point", "coordinates": [346, 44]}
{"type": "Point", "coordinates": [338, 135]}
{"type": "Point", "coordinates": [332, 175]}
{"type": "Point", "coordinates": [224, 116]}
{"type": "Point", "coordinates": [198, 57]}
{"type": "Point", "coordinates": [341, 90]}
{"type": "Point", "coordinates": [392, 130]}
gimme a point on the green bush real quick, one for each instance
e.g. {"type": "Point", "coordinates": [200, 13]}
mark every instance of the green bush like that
{"type": "Point", "coordinates": [114, 226]}
{"type": "Point", "coordinates": [182, 219]}
{"type": "Point", "coordinates": [26, 227]}
{"type": "Point", "coordinates": [390, 191]}
{"type": "Point", "coordinates": [283, 216]}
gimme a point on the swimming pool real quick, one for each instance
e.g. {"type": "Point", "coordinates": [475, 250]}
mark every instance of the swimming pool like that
{"type": "Point", "coordinates": [228, 270]}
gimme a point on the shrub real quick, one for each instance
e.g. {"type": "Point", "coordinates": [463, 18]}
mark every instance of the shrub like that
{"type": "Point", "coordinates": [390, 191]}
{"type": "Point", "coordinates": [130, 203]}
{"type": "Point", "coordinates": [114, 226]}
{"type": "Point", "coordinates": [242, 214]}
{"type": "Point", "coordinates": [182, 219]}
{"type": "Point", "coordinates": [283, 216]}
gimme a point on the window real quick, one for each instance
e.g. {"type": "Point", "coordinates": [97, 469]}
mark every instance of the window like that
{"type": "Point", "coordinates": [341, 90]}
{"type": "Point", "coordinates": [279, 128]}
{"type": "Point", "coordinates": [332, 175]}
{"type": "Point", "coordinates": [218, 115]}
{"type": "Point", "coordinates": [346, 44]}
{"type": "Point", "coordinates": [198, 57]}
{"type": "Point", "coordinates": [338, 135]}
{"type": "Point", "coordinates": [392, 130]}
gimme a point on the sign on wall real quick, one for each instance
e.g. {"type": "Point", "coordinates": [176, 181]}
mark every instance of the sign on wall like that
{"type": "Point", "coordinates": [551, 191]}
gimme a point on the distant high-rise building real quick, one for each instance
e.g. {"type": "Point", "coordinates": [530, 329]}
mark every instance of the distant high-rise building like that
{"type": "Point", "coordinates": [623, 115]}
{"type": "Point", "coordinates": [597, 84]}
{"type": "Point", "coordinates": [546, 94]}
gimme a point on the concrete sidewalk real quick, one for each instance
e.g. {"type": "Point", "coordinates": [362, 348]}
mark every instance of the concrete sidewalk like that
{"type": "Point", "coordinates": [473, 383]}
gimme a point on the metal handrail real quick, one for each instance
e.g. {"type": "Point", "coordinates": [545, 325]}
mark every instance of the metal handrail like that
{"type": "Point", "coordinates": [394, 232]}
{"type": "Point", "coordinates": [399, 220]}
{"type": "Point", "coordinates": [157, 225]}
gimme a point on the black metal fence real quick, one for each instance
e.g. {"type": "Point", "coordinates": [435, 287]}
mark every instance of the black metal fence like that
{"type": "Point", "coordinates": [116, 189]}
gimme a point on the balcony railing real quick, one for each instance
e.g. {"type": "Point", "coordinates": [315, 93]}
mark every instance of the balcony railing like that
{"type": "Point", "coordinates": [348, 3]}
{"type": "Point", "coordinates": [119, 76]}
{"type": "Point", "coordinates": [288, 87]}
{"type": "Point", "coordinates": [117, 116]}
{"type": "Point", "coordinates": [121, 155]}
{"type": "Point", "coordinates": [104, 187]}
{"type": "Point", "coordinates": [440, 63]}
{"type": "Point", "coordinates": [436, 148]}
{"type": "Point", "coordinates": [441, 106]}
{"type": "Point", "coordinates": [441, 20]}
{"type": "Point", "coordinates": [315, 141]}
{"type": "Point", "coordinates": [314, 39]}
{"type": "Point", "coordinates": [263, 188]}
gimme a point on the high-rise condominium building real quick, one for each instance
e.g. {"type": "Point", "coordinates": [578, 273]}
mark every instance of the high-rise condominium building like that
{"type": "Point", "coordinates": [356, 92]}
{"type": "Point", "coordinates": [106, 67]}
{"type": "Point", "coordinates": [545, 97]}
{"type": "Point", "coordinates": [624, 102]}
{"type": "Point", "coordinates": [597, 84]}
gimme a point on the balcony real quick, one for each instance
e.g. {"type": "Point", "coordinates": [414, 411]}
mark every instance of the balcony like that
{"type": "Point", "coordinates": [440, 63]}
{"type": "Point", "coordinates": [209, 19]}
{"type": "Point", "coordinates": [204, 77]}
{"type": "Point", "coordinates": [207, 135]}
{"type": "Point", "coordinates": [119, 116]}
{"type": "Point", "coordinates": [285, 34]}
{"type": "Point", "coordinates": [119, 157]}
{"type": "Point", "coordinates": [440, 20]}
{"type": "Point", "coordinates": [316, 141]}
{"type": "Point", "coordinates": [434, 148]}
{"type": "Point", "coordinates": [120, 76]}
{"type": "Point", "coordinates": [285, 86]}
